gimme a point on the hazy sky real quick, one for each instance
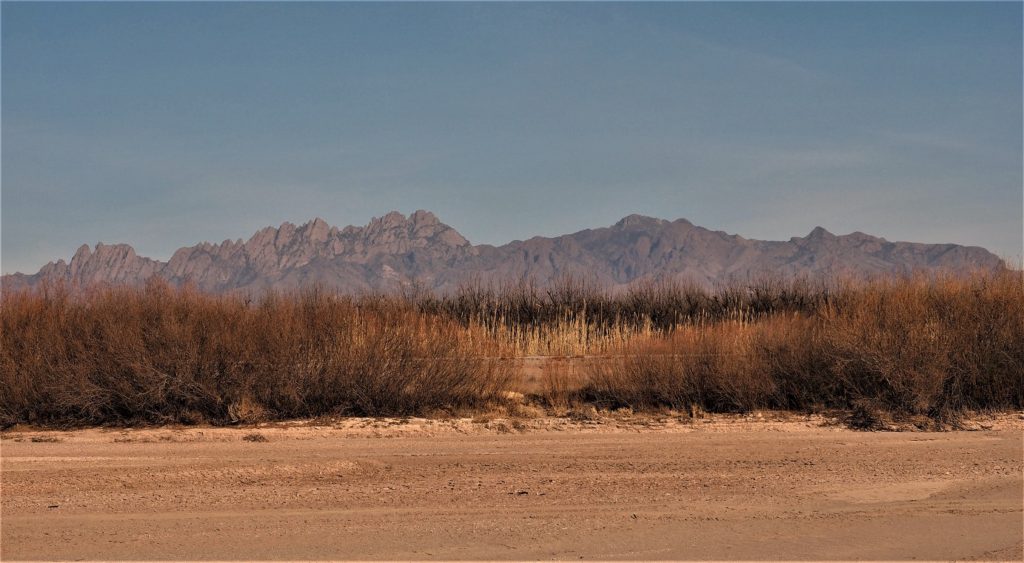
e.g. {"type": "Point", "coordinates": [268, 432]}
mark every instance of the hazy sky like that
{"type": "Point", "coordinates": [164, 125]}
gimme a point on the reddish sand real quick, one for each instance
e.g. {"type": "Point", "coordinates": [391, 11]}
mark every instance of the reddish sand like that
{"type": "Point", "coordinates": [627, 488]}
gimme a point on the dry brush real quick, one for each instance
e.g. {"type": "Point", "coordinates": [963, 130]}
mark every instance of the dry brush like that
{"type": "Point", "coordinates": [929, 346]}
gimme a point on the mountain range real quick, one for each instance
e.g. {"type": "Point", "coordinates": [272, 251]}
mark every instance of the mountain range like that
{"type": "Point", "coordinates": [394, 250]}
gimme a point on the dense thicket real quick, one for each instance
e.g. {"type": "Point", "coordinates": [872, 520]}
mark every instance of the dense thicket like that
{"type": "Point", "coordinates": [162, 355]}
{"type": "Point", "coordinates": [914, 346]}
{"type": "Point", "coordinates": [918, 345]}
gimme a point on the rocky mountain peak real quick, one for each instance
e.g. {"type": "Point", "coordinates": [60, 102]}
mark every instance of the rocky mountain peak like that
{"type": "Point", "coordinates": [395, 249]}
{"type": "Point", "coordinates": [317, 230]}
{"type": "Point", "coordinates": [422, 228]}
{"type": "Point", "coordinates": [392, 220]}
{"type": "Point", "coordinates": [83, 253]}
{"type": "Point", "coordinates": [423, 218]}
{"type": "Point", "coordinates": [819, 233]}
{"type": "Point", "coordinates": [635, 221]}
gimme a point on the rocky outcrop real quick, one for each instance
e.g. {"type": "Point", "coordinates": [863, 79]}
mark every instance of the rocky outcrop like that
{"type": "Point", "coordinates": [106, 264]}
{"type": "Point", "coordinates": [394, 250]}
{"type": "Point", "coordinates": [379, 256]}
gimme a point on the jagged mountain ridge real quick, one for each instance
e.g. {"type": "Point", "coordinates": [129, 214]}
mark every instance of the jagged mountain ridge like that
{"type": "Point", "coordinates": [395, 250]}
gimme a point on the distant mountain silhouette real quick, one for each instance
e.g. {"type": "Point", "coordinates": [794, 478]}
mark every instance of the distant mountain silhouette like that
{"type": "Point", "coordinates": [395, 250]}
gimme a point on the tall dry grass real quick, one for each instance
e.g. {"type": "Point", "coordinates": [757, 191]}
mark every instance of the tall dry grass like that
{"type": "Point", "coordinates": [574, 317]}
{"type": "Point", "coordinates": [929, 346]}
{"type": "Point", "coordinates": [723, 367]}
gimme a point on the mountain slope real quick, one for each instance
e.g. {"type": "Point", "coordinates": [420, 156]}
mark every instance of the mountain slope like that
{"type": "Point", "coordinates": [394, 250]}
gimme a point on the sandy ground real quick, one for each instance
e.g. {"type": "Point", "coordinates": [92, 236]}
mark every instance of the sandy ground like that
{"type": "Point", "coordinates": [756, 487]}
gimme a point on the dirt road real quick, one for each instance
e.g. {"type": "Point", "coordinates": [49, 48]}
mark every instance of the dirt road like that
{"type": "Point", "coordinates": [541, 489]}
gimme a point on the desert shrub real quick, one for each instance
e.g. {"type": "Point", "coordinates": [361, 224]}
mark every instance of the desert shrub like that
{"type": "Point", "coordinates": [559, 386]}
{"type": "Point", "coordinates": [931, 345]}
{"type": "Point", "coordinates": [647, 378]}
{"type": "Point", "coordinates": [916, 346]}
{"type": "Point", "coordinates": [912, 346]}
{"type": "Point", "coordinates": [159, 354]}
{"type": "Point", "coordinates": [724, 367]}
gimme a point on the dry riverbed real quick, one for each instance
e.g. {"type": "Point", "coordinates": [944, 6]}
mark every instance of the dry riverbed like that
{"type": "Point", "coordinates": [765, 486]}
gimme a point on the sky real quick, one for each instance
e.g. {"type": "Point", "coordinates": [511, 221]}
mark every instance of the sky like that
{"type": "Point", "coordinates": [167, 124]}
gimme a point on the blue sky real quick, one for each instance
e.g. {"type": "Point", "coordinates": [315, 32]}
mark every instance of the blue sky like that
{"type": "Point", "coordinates": [164, 125]}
